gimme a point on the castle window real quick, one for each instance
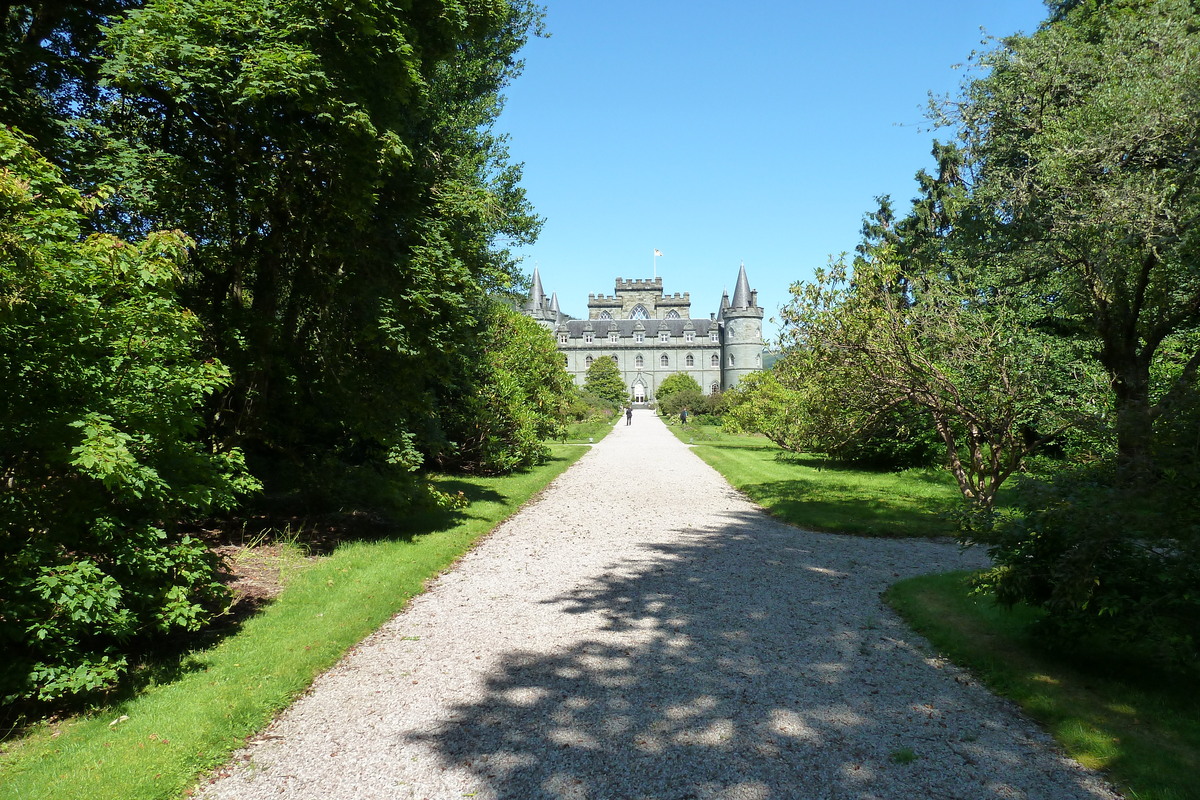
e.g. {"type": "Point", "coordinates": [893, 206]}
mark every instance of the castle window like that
{"type": "Point", "coordinates": [613, 337]}
{"type": "Point", "coordinates": [672, 314]}
{"type": "Point", "coordinates": [605, 315]}
{"type": "Point", "coordinates": [614, 358]}
{"type": "Point", "coordinates": [639, 337]}
{"type": "Point", "coordinates": [588, 361]}
{"type": "Point", "coordinates": [664, 336]}
{"type": "Point", "coordinates": [712, 335]}
{"type": "Point", "coordinates": [663, 360]}
{"type": "Point", "coordinates": [638, 362]}
{"type": "Point", "coordinates": [588, 338]}
{"type": "Point", "coordinates": [566, 360]}
{"type": "Point", "coordinates": [715, 388]}
{"type": "Point", "coordinates": [691, 362]}
{"type": "Point", "coordinates": [562, 338]}
{"type": "Point", "coordinates": [689, 336]}
{"type": "Point", "coordinates": [716, 360]}
{"type": "Point", "coordinates": [639, 312]}
{"type": "Point", "coordinates": [731, 359]}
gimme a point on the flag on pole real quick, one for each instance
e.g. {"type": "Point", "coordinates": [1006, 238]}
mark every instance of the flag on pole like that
{"type": "Point", "coordinates": [657, 252]}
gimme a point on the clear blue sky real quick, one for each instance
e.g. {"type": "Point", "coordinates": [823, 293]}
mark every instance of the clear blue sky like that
{"type": "Point", "coordinates": [722, 132]}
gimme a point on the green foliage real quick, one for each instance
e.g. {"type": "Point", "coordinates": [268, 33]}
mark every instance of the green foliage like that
{"type": "Point", "coordinates": [673, 385]}
{"type": "Point", "coordinates": [519, 397]}
{"type": "Point", "coordinates": [1082, 140]}
{"type": "Point", "coordinates": [102, 389]}
{"type": "Point", "coordinates": [603, 380]}
{"type": "Point", "coordinates": [784, 404]}
{"type": "Point", "coordinates": [1102, 561]}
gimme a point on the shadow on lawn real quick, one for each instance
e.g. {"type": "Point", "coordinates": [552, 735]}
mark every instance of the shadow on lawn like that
{"type": "Point", "coordinates": [727, 666]}
{"type": "Point", "coordinates": [812, 505]}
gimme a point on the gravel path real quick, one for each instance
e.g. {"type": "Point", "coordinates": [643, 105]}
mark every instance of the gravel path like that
{"type": "Point", "coordinates": [643, 631]}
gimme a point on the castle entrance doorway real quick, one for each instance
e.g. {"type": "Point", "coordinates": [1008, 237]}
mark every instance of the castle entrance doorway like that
{"type": "Point", "coordinates": [639, 392]}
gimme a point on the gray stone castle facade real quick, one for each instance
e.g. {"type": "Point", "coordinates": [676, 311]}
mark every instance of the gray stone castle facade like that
{"type": "Point", "coordinates": [651, 335]}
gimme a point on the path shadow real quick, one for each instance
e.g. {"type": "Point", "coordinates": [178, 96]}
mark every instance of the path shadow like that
{"type": "Point", "coordinates": [747, 662]}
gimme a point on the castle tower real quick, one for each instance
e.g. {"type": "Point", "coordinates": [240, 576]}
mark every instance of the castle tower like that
{"type": "Point", "coordinates": [537, 307]}
{"type": "Point", "coordinates": [741, 322]}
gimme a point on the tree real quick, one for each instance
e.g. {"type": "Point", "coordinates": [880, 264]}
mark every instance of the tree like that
{"type": "Point", "coordinates": [893, 337]}
{"type": "Point", "coordinates": [1081, 141]}
{"type": "Point", "coordinates": [677, 391]}
{"type": "Point", "coordinates": [604, 380]}
{"type": "Point", "coordinates": [351, 204]}
{"type": "Point", "coordinates": [518, 397]}
{"type": "Point", "coordinates": [103, 389]}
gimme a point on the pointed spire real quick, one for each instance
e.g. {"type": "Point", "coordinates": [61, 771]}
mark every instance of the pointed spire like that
{"type": "Point", "coordinates": [554, 309]}
{"type": "Point", "coordinates": [537, 297]}
{"type": "Point", "coordinates": [741, 294]}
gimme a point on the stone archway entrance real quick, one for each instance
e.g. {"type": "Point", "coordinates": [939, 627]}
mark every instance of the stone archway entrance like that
{"type": "Point", "coordinates": [639, 391]}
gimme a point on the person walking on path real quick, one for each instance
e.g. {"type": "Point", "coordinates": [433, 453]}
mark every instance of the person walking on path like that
{"type": "Point", "coordinates": [628, 415]}
{"type": "Point", "coordinates": [641, 630]}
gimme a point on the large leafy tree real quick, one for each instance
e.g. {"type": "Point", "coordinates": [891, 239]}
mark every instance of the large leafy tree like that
{"type": "Point", "coordinates": [1083, 145]}
{"type": "Point", "coordinates": [603, 380]}
{"type": "Point", "coordinates": [350, 203]}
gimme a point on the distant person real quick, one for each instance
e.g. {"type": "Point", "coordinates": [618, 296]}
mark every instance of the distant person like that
{"type": "Point", "coordinates": [628, 415]}
{"type": "Point", "coordinates": [683, 416]}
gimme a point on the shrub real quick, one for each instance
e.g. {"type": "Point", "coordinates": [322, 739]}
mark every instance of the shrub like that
{"type": "Point", "coordinates": [101, 455]}
{"type": "Point", "coordinates": [1101, 560]}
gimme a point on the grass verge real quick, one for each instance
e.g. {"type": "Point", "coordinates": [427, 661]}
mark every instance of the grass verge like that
{"type": "Point", "coordinates": [157, 744]}
{"type": "Point", "coordinates": [1107, 710]}
{"type": "Point", "coordinates": [819, 495]}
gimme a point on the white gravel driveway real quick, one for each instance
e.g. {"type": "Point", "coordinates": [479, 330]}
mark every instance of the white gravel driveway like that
{"type": "Point", "coordinates": [643, 631]}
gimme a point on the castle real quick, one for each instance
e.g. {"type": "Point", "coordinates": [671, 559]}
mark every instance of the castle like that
{"type": "Point", "coordinates": [650, 335]}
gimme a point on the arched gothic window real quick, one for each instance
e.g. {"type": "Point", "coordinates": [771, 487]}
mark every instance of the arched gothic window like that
{"type": "Point", "coordinates": [663, 360]}
{"type": "Point", "coordinates": [716, 360]}
{"type": "Point", "coordinates": [715, 388]}
{"type": "Point", "coordinates": [638, 362]}
{"type": "Point", "coordinates": [691, 362]}
{"type": "Point", "coordinates": [672, 314]}
{"type": "Point", "coordinates": [588, 361]}
{"type": "Point", "coordinates": [614, 358]}
{"type": "Point", "coordinates": [605, 315]}
{"type": "Point", "coordinates": [731, 359]}
{"type": "Point", "coordinates": [639, 312]}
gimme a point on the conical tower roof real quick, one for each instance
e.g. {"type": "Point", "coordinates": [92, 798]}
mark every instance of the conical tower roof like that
{"type": "Point", "coordinates": [554, 309]}
{"type": "Point", "coordinates": [537, 297]}
{"type": "Point", "coordinates": [741, 293]}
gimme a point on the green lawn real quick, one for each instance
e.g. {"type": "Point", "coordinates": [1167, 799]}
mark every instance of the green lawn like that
{"type": "Point", "coordinates": [1117, 714]}
{"type": "Point", "coordinates": [155, 745]}
{"type": "Point", "coordinates": [815, 494]}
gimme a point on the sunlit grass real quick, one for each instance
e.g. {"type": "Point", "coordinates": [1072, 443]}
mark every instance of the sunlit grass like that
{"type": "Point", "coordinates": [157, 744]}
{"type": "Point", "coordinates": [1109, 708]}
{"type": "Point", "coordinates": [820, 495]}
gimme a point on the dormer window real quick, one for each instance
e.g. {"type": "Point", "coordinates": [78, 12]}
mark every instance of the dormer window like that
{"type": "Point", "coordinates": [563, 338]}
{"type": "Point", "coordinates": [712, 335]}
{"type": "Point", "coordinates": [639, 337]}
{"type": "Point", "coordinates": [689, 336]}
{"type": "Point", "coordinates": [664, 336]}
{"type": "Point", "coordinates": [588, 338]}
{"type": "Point", "coordinates": [614, 337]}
